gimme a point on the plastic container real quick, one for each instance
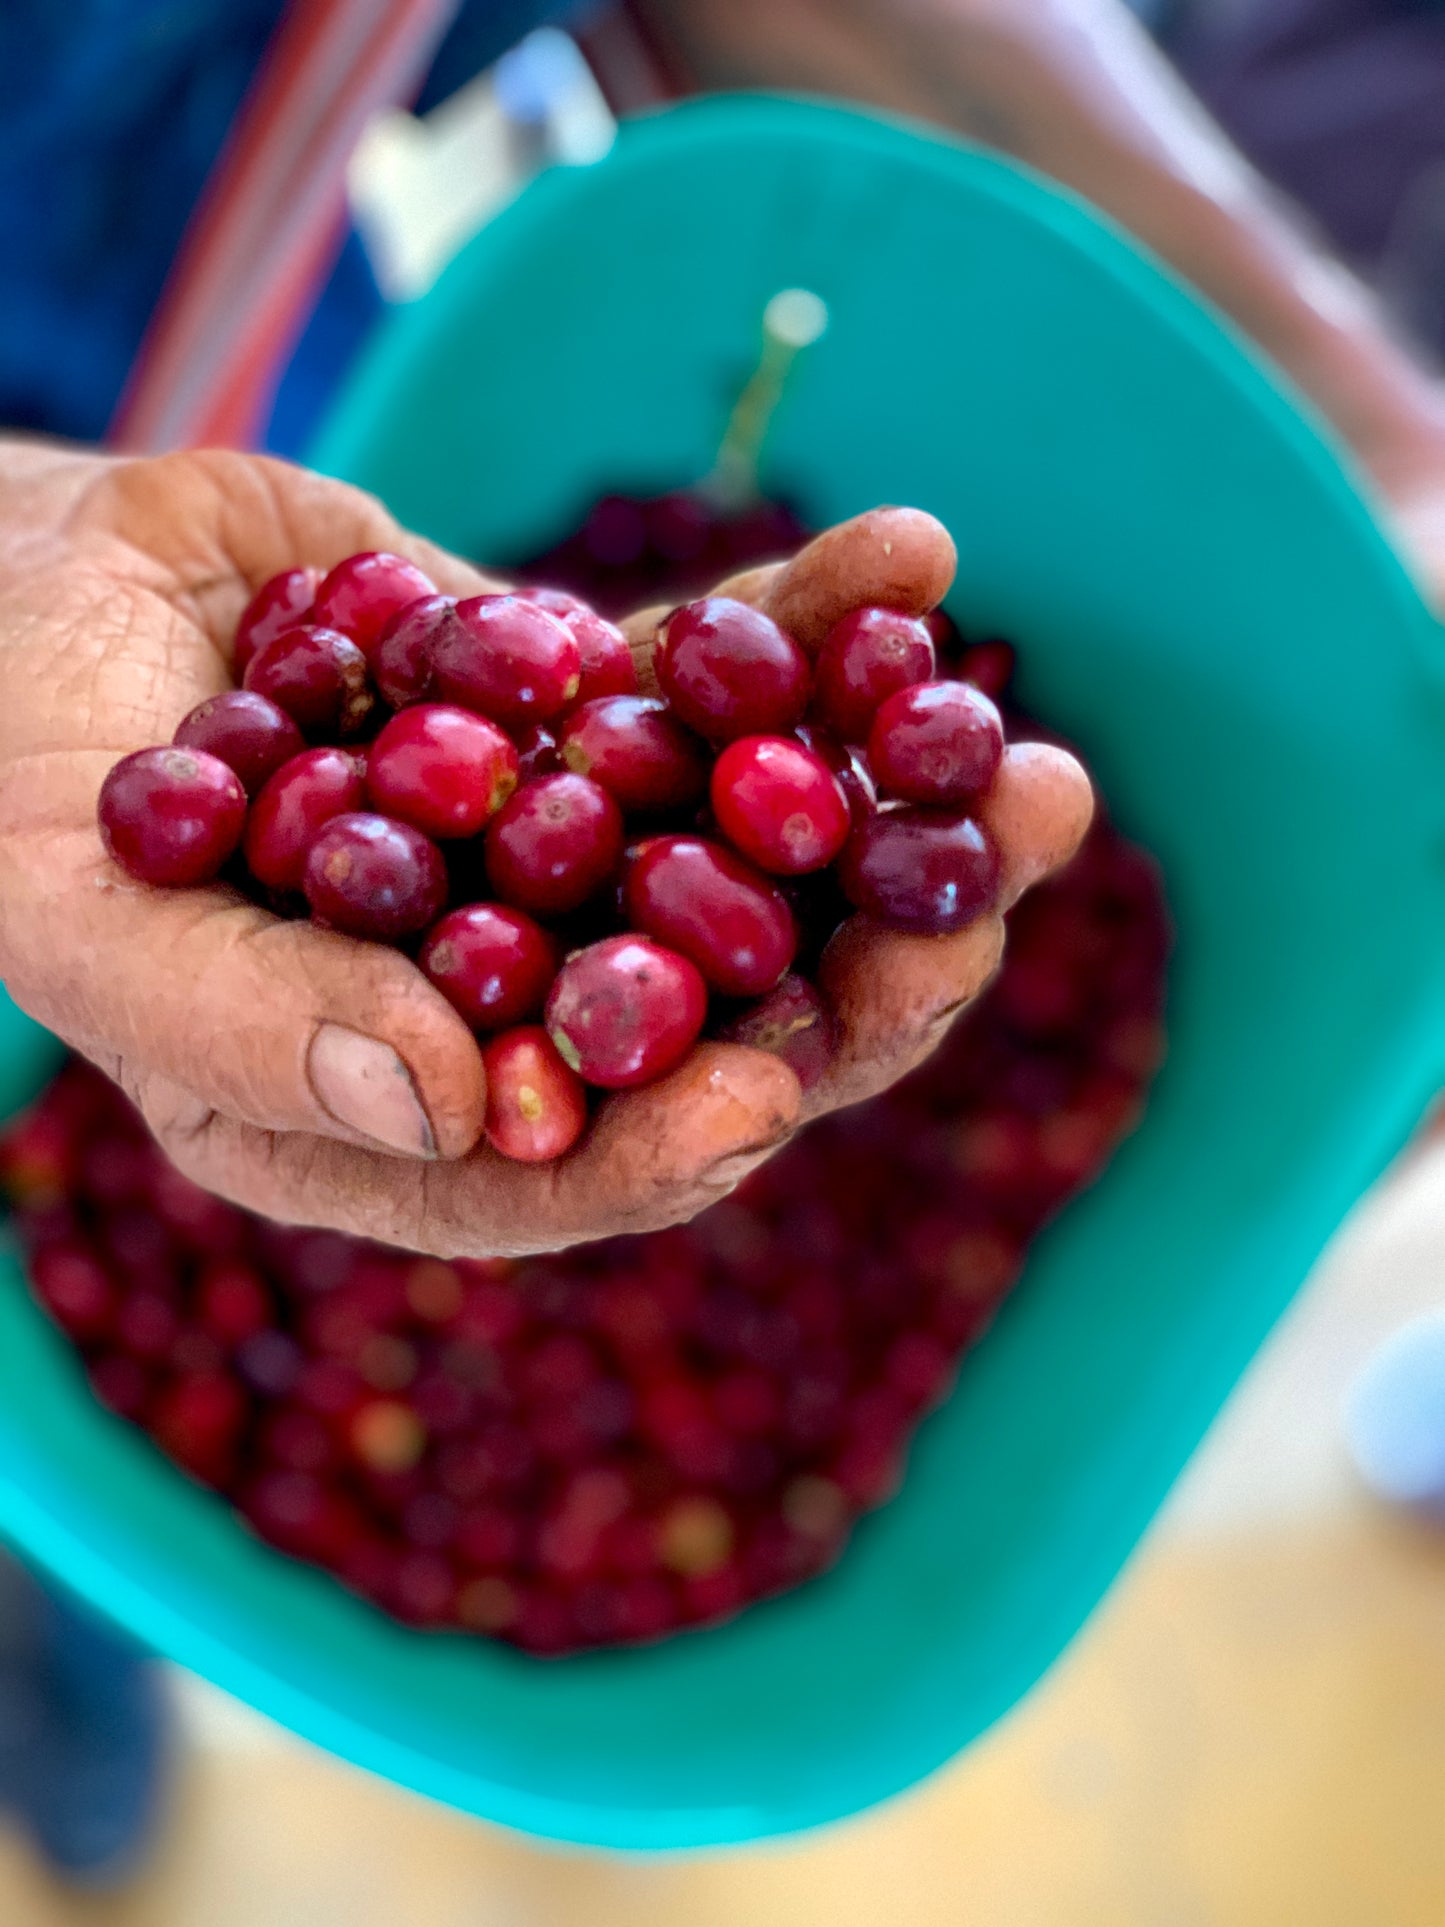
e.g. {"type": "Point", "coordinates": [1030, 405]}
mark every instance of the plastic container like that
{"type": "Point", "coordinates": [1203, 599]}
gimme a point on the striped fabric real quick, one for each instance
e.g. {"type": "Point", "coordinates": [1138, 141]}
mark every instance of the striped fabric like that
{"type": "Point", "coordinates": [263, 234]}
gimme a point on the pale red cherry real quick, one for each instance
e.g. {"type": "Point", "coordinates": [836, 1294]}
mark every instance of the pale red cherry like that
{"type": "Point", "coordinates": [536, 1104]}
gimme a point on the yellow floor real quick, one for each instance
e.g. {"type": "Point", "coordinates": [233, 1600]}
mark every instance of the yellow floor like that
{"type": "Point", "coordinates": [1245, 1736]}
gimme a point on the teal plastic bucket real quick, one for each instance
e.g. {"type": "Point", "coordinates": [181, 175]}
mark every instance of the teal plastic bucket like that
{"type": "Point", "coordinates": [1205, 601]}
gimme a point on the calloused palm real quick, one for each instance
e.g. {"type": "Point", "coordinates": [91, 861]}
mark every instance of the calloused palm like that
{"type": "Point", "coordinates": [322, 1080]}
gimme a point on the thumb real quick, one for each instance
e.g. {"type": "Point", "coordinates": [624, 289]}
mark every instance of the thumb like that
{"type": "Point", "coordinates": [280, 1025]}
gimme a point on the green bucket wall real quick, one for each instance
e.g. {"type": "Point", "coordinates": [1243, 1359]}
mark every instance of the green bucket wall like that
{"type": "Point", "coordinates": [1204, 600]}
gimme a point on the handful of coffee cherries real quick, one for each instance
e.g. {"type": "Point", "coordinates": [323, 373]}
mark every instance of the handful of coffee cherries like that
{"type": "Point", "coordinates": [592, 875]}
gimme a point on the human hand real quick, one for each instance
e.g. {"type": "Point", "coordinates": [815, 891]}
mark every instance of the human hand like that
{"type": "Point", "coordinates": [296, 1071]}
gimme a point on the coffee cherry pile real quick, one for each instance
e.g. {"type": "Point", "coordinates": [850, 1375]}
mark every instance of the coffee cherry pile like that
{"type": "Point", "coordinates": [624, 1440]}
{"type": "Point", "coordinates": [593, 876]}
{"type": "Point", "coordinates": [621, 1441]}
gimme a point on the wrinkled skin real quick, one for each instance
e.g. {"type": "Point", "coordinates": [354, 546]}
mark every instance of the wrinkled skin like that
{"type": "Point", "coordinates": [311, 1077]}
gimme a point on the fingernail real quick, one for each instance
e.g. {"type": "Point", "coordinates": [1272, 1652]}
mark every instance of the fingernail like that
{"type": "Point", "coordinates": [363, 1084]}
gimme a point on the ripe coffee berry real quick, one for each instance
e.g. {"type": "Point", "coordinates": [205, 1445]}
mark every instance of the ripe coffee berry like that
{"type": "Point", "coordinates": [441, 769]}
{"type": "Point", "coordinates": [938, 742]}
{"type": "Point", "coordinates": [277, 605]}
{"type": "Point", "coordinates": [779, 804]}
{"type": "Point", "coordinates": [519, 742]}
{"type": "Point", "coordinates": [536, 1104]}
{"type": "Point", "coordinates": [847, 763]}
{"type": "Point", "coordinates": [638, 751]}
{"type": "Point", "coordinates": [554, 844]}
{"type": "Point", "coordinates": [728, 670]}
{"type": "Point", "coordinates": [172, 816]}
{"type": "Point", "coordinates": [248, 732]}
{"type": "Point", "coordinates": [318, 676]}
{"type": "Point", "coordinates": [303, 796]}
{"type": "Point", "coordinates": [362, 595]}
{"type": "Point", "coordinates": [989, 666]}
{"type": "Point", "coordinates": [625, 1011]}
{"type": "Point", "coordinates": [537, 752]}
{"type": "Point", "coordinates": [864, 659]}
{"type": "Point", "coordinates": [702, 901]}
{"type": "Point", "coordinates": [931, 871]}
{"type": "Point", "coordinates": [374, 878]}
{"type": "Point", "coordinates": [607, 665]}
{"type": "Point", "coordinates": [401, 658]}
{"type": "Point", "coordinates": [791, 1022]}
{"type": "Point", "coordinates": [493, 964]}
{"type": "Point", "coordinates": [508, 659]}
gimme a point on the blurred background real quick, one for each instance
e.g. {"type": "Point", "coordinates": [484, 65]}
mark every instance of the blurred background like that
{"type": "Point", "coordinates": [1252, 1729]}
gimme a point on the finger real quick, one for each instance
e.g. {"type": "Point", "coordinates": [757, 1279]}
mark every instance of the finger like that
{"type": "Point", "coordinates": [322, 521]}
{"type": "Point", "coordinates": [247, 518]}
{"type": "Point", "coordinates": [889, 558]}
{"type": "Point", "coordinates": [894, 994]}
{"type": "Point", "coordinates": [641, 629]}
{"type": "Point", "coordinates": [673, 1147]}
{"type": "Point", "coordinates": [753, 586]}
{"type": "Point", "coordinates": [1038, 810]}
{"type": "Point", "coordinates": [652, 1158]}
{"type": "Point", "coordinates": [282, 1024]}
